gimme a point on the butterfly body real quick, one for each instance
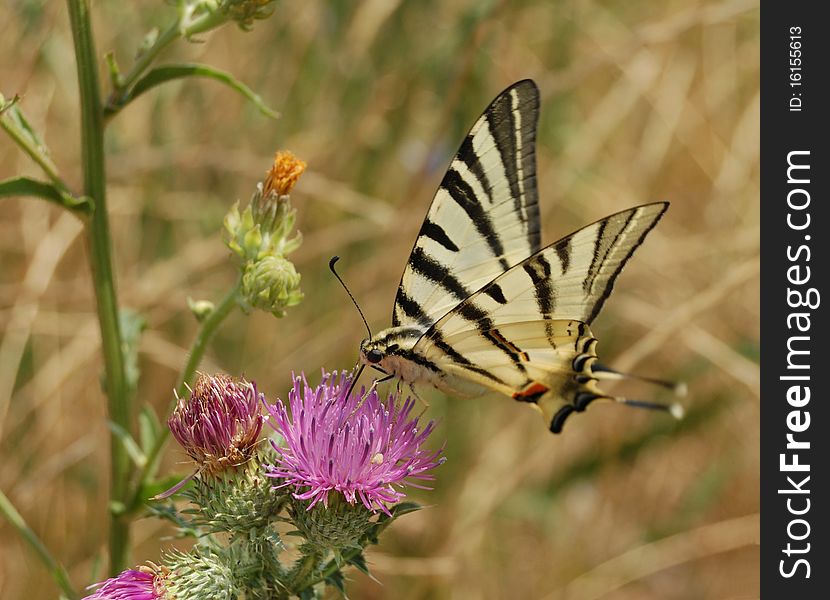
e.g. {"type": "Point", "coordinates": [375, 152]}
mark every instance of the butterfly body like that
{"type": "Point", "coordinates": [481, 306]}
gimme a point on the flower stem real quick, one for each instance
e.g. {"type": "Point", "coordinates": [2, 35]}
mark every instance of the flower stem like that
{"type": "Point", "coordinates": [197, 351]}
{"type": "Point", "coordinates": [303, 571]}
{"type": "Point", "coordinates": [183, 26]}
{"type": "Point", "coordinates": [99, 243]}
{"type": "Point", "coordinates": [57, 571]}
{"type": "Point", "coordinates": [204, 335]}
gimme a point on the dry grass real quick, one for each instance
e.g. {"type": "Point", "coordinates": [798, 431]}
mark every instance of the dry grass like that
{"type": "Point", "coordinates": [642, 101]}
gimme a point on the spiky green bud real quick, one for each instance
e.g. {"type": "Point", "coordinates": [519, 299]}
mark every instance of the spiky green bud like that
{"type": "Point", "coordinates": [337, 527]}
{"type": "Point", "coordinates": [238, 500]}
{"type": "Point", "coordinates": [200, 573]}
{"type": "Point", "coordinates": [271, 284]}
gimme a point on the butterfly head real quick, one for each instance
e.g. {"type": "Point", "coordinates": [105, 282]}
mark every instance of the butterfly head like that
{"type": "Point", "coordinates": [373, 353]}
{"type": "Point", "coordinates": [390, 352]}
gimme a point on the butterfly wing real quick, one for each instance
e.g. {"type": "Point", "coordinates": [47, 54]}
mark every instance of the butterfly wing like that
{"type": "Point", "coordinates": [525, 334]}
{"type": "Point", "coordinates": [485, 215]}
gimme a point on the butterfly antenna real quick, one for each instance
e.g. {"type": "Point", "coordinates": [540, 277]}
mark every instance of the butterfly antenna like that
{"type": "Point", "coordinates": [332, 262]}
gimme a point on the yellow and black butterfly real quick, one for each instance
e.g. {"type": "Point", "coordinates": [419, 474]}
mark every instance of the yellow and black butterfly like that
{"type": "Point", "coordinates": [481, 306]}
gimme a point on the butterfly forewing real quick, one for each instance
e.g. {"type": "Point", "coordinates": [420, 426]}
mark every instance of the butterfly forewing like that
{"type": "Point", "coordinates": [485, 216]}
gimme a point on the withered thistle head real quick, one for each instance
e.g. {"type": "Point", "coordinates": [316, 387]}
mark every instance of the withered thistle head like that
{"type": "Point", "coordinates": [283, 174]}
{"type": "Point", "coordinates": [219, 425]}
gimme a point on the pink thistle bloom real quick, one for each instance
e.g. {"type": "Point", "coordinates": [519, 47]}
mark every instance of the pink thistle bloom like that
{"type": "Point", "coordinates": [220, 424]}
{"type": "Point", "coordinates": [363, 448]}
{"type": "Point", "coordinates": [131, 584]}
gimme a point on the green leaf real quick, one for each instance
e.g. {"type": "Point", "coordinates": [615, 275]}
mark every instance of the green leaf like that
{"type": "Point", "coordinates": [359, 561]}
{"type": "Point", "coordinates": [149, 427]}
{"type": "Point", "coordinates": [129, 444]}
{"type": "Point", "coordinates": [404, 508]}
{"type": "Point", "coordinates": [167, 73]}
{"type": "Point", "coordinates": [307, 594]}
{"type": "Point", "coordinates": [26, 186]}
{"type": "Point", "coordinates": [131, 324]}
{"type": "Point", "coordinates": [337, 580]}
{"type": "Point", "coordinates": [168, 512]}
{"type": "Point", "coordinates": [17, 119]}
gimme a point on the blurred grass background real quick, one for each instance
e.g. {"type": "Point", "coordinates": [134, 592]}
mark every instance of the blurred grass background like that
{"type": "Point", "coordinates": [641, 101]}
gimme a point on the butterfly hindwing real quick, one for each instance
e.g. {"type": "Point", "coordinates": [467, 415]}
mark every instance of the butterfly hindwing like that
{"type": "Point", "coordinates": [521, 333]}
{"type": "Point", "coordinates": [485, 216]}
{"type": "Point", "coordinates": [551, 369]}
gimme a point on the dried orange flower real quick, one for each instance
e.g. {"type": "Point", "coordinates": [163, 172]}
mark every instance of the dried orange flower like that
{"type": "Point", "coordinates": [284, 174]}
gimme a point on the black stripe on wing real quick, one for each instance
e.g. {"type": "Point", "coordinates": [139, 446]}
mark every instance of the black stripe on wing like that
{"type": "Point", "coordinates": [463, 195]}
{"type": "Point", "coordinates": [411, 309]}
{"type": "Point", "coordinates": [437, 273]}
{"type": "Point", "coordinates": [609, 285]}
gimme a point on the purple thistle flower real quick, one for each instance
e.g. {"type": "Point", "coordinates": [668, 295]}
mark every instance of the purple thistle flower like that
{"type": "Point", "coordinates": [132, 584]}
{"type": "Point", "coordinates": [361, 447]}
{"type": "Point", "coordinates": [220, 424]}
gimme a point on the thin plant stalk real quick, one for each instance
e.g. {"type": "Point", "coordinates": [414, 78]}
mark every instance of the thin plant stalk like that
{"type": "Point", "coordinates": [99, 245]}
{"type": "Point", "coordinates": [197, 351]}
{"type": "Point", "coordinates": [55, 569]}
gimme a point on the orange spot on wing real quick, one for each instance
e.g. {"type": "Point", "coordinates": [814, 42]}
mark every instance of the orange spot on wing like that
{"type": "Point", "coordinates": [531, 392]}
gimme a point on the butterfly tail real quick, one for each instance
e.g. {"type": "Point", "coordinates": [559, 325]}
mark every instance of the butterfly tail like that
{"type": "Point", "coordinates": [565, 396]}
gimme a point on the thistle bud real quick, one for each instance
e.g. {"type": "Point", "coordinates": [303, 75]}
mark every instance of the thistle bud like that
{"type": "Point", "coordinates": [338, 526]}
{"type": "Point", "coordinates": [200, 574]}
{"type": "Point", "coordinates": [271, 284]}
{"type": "Point", "coordinates": [201, 309]}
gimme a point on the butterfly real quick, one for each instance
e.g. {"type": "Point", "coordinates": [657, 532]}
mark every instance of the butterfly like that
{"type": "Point", "coordinates": [482, 306]}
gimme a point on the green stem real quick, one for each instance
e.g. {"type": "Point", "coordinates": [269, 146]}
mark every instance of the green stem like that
{"type": "Point", "coordinates": [345, 557]}
{"type": "Point", "coordinates": [55, 569]}
{"type": "Point", "coordinates": [99, 244]}
{"type": "Point", "coordinates": [143, 61]}
{"type": "Point", "coordinates": [303, 569]}
{"type": "Point", "coordinates": [197, 351]}
{"type": "Point", "coordinates": [205, 334]}
{"type": "Point", "coordinates": [183, 26]}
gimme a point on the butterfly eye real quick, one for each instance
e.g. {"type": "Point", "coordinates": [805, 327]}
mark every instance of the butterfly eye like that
{"type": "Point", "coordinates": [374, 356]}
